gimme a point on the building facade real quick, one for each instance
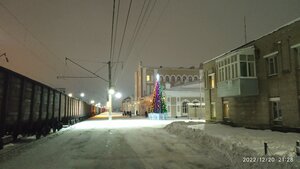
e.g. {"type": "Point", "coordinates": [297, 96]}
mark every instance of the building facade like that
{"type": "Point", "coordinates": [258, 84]}
{"type": "Point", "coordinates": [145, 78]}
{"type": "Point", "coordinates": [186, 100]}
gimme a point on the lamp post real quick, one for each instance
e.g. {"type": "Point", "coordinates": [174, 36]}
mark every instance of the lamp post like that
{"type": "Point", "coordinates": [110, 92]}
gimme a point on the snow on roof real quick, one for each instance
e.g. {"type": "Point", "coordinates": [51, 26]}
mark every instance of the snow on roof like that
{"type": "Point", "coordinates": [287, 24]}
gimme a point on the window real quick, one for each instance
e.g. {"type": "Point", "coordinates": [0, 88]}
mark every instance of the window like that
{"type": "Point", "coordinates": [190, 78]}
{"type": "Point", "coordinates": [213, 114]}
{"type": "Point", "coordinates": [272, 65]}
{"type": "Point", "coordinates": [148, 78]}
{"type": "Point", "coordinates": [247, 66]}
{"type": "Point", "coordinates": [211, 79]}
{"type": "Point", "coordinates": [184, 78]}
{"type": "Point", "coordinates": [178, 79]}
{"type": "Point", "coordinates": [276, 110]}
{"type": "Point", "coordinates": [195, 78]}
{"type": "Point", "coordinates": [234, 66]}
{"type": "Point", "coordinates": [161, 78]}
{"type": "Point", "coordinates": [185, 107]}
{"type": "Point", "coordinates": [297, 55]}
{"type": "Point", "coordinates": [173, 79]}
{"type": "Point", "coordinates": [167, 79]}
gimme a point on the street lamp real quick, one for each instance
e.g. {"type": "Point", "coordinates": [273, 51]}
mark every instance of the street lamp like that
{"type": "Point", "coordinates": [82, 94]}
{"type": "Point", "coordinates": [70, 94]}
{"type": "Point", "coordinates": [118, 95]}
{"type": "Point", "coordinates": [92, 101]}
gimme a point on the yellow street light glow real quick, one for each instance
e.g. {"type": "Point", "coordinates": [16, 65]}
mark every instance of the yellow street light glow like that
{"type": "Point", "coordinates": [70, 94]}
{"type": "Point", "coordinates": [92, 101]}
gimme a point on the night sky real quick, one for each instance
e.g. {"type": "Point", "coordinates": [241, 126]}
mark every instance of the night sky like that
{"type": "Point", "coordinates": [38, 35]}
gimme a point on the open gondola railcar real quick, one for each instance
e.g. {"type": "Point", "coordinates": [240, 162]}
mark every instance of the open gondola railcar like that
{"type": "Point", "coordinates": [28, 107]}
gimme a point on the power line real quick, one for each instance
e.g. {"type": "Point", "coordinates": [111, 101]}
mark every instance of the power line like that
{"type": "Point", "coordinates": [86, 69]}
{"type": "Point", "coordinates": [27, 30]}
{"type": "Point", "coordinates": [112, 31]}
{"type": "Point", "coordinates": [116, 31]}
{"type": "Point", "coordinates": [161, 14]}
{"type": "Point", "coordinates": [137, 23]}
{"type": "Point", "coordinates": [155, 25]}
{"type": "Point", "coordinates": [148, 16]}
{"type": "Point", "coordinates": [122, 41]}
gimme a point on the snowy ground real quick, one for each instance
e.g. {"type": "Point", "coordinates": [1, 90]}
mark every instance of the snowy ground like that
{"type": "Point", "coordinates": [139, 143]}
{"type": "Point", "coordinates": [102, 144]}
{"type": "Point", "coordinates": [243, 147]}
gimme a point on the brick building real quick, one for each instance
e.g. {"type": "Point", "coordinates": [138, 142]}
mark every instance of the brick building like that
{"type": "Point", "coordinates": [258, 84]}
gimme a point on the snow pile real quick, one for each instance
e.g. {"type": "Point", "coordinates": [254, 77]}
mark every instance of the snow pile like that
{"type": "Point", "coordinates": [238, 145]}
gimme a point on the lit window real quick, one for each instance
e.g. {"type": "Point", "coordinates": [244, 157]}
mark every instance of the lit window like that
{"type": "Point", "coordinates": [211, 79]}
{"type": "Point", "coordinates": [148, 78]}
{"type": "Point", "coordinates": [213, 113]}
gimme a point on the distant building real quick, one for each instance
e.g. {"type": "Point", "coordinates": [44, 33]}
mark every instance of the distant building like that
{"type": "Point", "coordinates": [186, 100]}
{"type": "Point", "coordinates": [127, 104]}
{"type": "Point", "coordinates": [257, 84]}
{"type": "Point", "coordinates": [169, 77]}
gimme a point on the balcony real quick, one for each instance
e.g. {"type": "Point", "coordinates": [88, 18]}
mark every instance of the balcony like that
{"type": "Point", "coordinates": [238, 87]}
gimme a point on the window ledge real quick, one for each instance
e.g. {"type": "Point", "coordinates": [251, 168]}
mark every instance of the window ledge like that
{"type": "Point", "coordinates": [273, 76]}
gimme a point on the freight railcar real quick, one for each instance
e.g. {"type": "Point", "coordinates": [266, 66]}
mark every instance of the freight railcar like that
{"type": "Point", "coordinates": [28, 107]}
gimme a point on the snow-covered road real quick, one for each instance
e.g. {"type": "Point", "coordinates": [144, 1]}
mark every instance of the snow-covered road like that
{"type": "Point", "coordinates": [102, 144]}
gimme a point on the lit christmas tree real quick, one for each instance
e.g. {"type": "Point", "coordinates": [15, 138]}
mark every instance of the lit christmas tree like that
{"type": "Point", "coordinates": [158, 101]}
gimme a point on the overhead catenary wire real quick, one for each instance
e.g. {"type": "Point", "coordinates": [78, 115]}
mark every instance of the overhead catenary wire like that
{"type": "Point", "coordinates": [123, 36]}
{"type": "Point", "coordinates": [153, 28]}
{"type": "Point", "coordinates": [148, 16]}
{"type": "Point", "coordinates": [112, 31]}
{"type": "Point", "coordinates": [137, 28]}
{"type": "Point", "coordinates": [86, 69]}
{"type": "Point", "coordinates": [27, 30]}
{"type": "Point", "coordinates": [115, 32]}
{"type": "Point", "coordinates": [142, 13]}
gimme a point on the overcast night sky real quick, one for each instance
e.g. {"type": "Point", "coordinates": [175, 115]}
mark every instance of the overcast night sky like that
{"type": "Point", "coordinates": [38, 35]}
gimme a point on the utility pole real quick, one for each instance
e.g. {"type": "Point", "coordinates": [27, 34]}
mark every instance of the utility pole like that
{"type": "Point", "coordinates": [110, 91]}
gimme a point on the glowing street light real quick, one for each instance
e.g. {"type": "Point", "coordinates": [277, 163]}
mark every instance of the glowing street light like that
{"type": "Point", "coordinates": [82, 94]}
{"type": "Point", "coordinates": [70, 94]}
{"type": "Point", "coordinates": [118, 95]}
{"type": "Point", "coordinates": [92, 101]}
{"type": "Point", "coordinates": [157, 77]}
{"type": "Point", "coordinates": [111, 91]}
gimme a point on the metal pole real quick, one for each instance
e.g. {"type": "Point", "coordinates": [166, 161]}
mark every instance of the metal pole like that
{"type": "Point", "coordinates": [298, 148]}
{"type": "Point", "coordinates": [266, 148]}
{"type": "Point", "coordinates": [109, 95]}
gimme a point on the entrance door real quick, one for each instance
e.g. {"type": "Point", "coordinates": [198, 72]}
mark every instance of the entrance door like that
{"type": "Point", "coordinates": [225, 110]}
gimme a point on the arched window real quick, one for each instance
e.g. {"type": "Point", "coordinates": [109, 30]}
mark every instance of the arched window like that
{"type": "Point", "coordinates": [173, 79]}
{"type": "Point", "coordinates": [185, 107]}
{"type": "Point", "coordinates": [178, 79]}
{"type": "Point", "coordinates": [195, 78]}
{"type": "Point", "coordinates": [167, 79]}
{"type": "Point", "coordinates": [184, 78]}
{"type": "Point", "coordinates": [190, 78]}
{"type": "Point", "coordinates": [161, 78]}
